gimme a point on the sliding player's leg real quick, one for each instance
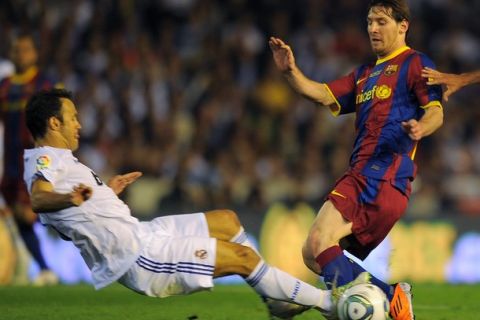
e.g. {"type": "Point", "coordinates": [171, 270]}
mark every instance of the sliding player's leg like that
{"type": "Point", "coordinates": [225, 225]}
{"type": "Point", "coordinates": [266, 280]}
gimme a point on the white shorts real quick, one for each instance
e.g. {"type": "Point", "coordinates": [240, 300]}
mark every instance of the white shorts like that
{"type": "Point", "coordinates": [179, 258]}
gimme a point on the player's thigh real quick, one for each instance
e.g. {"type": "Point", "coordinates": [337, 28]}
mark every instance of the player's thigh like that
{"type": "Point", "coordinates": [327, 229]}
{"type": "Point", "coordinates": [233, 258]}
{"type": "Point", "coordinates": [172, 266]}
{"type": "Point", "coordinates": [180, 225]}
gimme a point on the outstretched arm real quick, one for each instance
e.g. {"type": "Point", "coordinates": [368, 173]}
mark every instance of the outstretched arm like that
{"type": "Point", "coordinates": [120, 182]}
{"type": "Point", "coordinates": [44, 199]}
{"type": "Point", "coordinates": [428, 124]}
{"type": "Point", "coordinates": [285, 62]}
{"type": "Point", "coordinates": [453, 82]}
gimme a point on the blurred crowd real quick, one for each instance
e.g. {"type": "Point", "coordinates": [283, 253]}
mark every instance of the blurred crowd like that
{"type": "Point", "coordinates": [186, 91]}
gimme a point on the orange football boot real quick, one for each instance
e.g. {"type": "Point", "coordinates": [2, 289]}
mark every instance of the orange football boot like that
{"type": "Point", "coordinates": [401, 305]}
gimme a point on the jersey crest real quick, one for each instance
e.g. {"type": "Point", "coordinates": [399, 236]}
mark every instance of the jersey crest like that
{"type": "Point", "coordinates": [390, 70]}
{"type": "Point", "coordinates": [43, 162]}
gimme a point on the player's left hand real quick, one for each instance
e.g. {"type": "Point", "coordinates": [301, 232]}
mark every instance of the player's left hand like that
{"type": "Point", "coordinates": [414, 129]}
{"type": "Point", "coordinates": [119, 182]}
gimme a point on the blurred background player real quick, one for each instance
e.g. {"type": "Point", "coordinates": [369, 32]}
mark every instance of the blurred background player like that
{"type": "Point", "coordinates": [453, 82]}
{"type": "Point", "coordinates": [15, 90]}
{"type": "Point", "coordinates": [394, 109]}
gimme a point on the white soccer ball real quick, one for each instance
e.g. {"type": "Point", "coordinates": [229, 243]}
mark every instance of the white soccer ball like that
{"type": "Point", "coordinates": [363, 302]}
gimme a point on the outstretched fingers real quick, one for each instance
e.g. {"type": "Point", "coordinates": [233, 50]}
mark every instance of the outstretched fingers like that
{"type": "Point", "coordinates": [131, 177]}
{"type": "Point", "coordinates": [433, 76]}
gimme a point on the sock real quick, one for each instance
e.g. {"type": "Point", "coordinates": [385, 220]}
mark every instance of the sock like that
{"type": "Point", "coordinates": [273, 283]}
{"type": "Point", "coordinates": [33, 245]}
{"type": "Point", "coordinates": [336, 267]}
{"type": "Point", "coordinates": [241, 238]}
{"type": "Point", "coordinates": [387, 288]}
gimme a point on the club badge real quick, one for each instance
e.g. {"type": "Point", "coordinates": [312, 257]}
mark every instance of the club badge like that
{"type": "Point", "coordinates": [43, 162]}
{"type": "Point", "coordinates": [202, 254]}
{"type": "Point", "coordinates": [391, 69]}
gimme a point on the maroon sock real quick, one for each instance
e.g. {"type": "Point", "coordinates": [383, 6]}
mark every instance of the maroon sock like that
{"type": "Point", "coordinates": [326, 256]}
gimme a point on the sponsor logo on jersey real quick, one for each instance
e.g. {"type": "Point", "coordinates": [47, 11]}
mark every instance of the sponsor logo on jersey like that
{"type": "Point", "coordinates": [382, 92]}
{"type": "Point", "coordinates": [372, 75]}
{"type": "Point", "coordinates": [376, 73]}
{"type": "Point", "coordinates": [202, 254]}
{"type": "Point", "coordinates": [43, 162]}
{"type": "Point", "coordinates": [391, 69]}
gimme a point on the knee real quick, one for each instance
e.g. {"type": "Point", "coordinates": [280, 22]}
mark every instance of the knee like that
{"type": "Point", "coordinates": [222, 224]}
{"type": "Point", "coordinates": [231, 218]}
{"type": "Point", "coordinates": [226, 216]}
{"type": "Point", "coordinates": [309, 258]}
{"type": "Point", "coordinates": [317, 241]}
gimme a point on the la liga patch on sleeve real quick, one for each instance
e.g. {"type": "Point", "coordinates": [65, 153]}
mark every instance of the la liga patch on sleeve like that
{"type": "Point", "coordinates": [43, 162]}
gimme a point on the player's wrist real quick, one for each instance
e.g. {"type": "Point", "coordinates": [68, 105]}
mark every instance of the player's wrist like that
{"type": "Point", "coordinates": [466, 79]}
{"type": "Point", "coordinates": [291, 71]}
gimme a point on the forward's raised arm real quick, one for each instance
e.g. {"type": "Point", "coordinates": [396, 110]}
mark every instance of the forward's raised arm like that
{"type": "Point", "coordinates": [285, 61]}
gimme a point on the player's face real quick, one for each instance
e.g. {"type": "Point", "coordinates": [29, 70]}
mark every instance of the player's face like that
{"type": "Point", "coordinates": [24, 54]}
{"type": "Point", "coordinates": [70, 127]}
{"type": "Point", "coordinates": [386, 34]}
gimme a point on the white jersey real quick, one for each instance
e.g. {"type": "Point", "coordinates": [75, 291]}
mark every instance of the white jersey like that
{"type": "Point", "coordinates": [102, 228]}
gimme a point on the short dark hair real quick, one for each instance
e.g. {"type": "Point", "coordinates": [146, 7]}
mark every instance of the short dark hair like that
{"type": "Point", "coordinates": [41, 107]}
{"type": "Point", "coordinates": [400, 9]}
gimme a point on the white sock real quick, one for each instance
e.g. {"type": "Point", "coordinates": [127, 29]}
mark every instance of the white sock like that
{"type": "Point", "coordinates": [241, 238]}
{"type": "Point", "coordinates": [273, 283]}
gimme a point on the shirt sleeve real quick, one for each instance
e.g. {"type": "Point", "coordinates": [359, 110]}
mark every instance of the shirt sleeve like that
{"type": "Point", "coordinates": [427, 95]}
{"type": "Point", "coordinates": [343, 92]}
{"type": "Point", "coordinates": [48, 166]}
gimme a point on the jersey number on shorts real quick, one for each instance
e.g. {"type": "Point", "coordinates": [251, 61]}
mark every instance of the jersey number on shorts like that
{"type": "Point", "coordinates": [97, 179]}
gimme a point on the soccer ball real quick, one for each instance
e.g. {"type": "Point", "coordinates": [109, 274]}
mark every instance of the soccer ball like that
{"type": "Point", "coordinates": [363, 302]}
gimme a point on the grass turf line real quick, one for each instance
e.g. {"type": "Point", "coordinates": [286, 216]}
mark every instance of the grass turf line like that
{"type": "Point", "coordinates": [82, 302]}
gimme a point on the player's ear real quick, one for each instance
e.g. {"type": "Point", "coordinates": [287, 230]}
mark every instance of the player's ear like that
{"type": "Point", "coordinates": [54, 123]}
{"type": "Point", "coordinates": [404, 24]}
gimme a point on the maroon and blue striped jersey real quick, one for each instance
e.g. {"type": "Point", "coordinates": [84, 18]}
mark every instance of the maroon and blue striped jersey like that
{"type": "Point", "coordinates": [14, 94]}
{"type": "Point", "coordinates": [383, 94]}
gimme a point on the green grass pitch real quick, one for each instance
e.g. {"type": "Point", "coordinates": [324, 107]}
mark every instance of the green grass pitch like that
{"type": "Point", "coordinates": [82, 302]}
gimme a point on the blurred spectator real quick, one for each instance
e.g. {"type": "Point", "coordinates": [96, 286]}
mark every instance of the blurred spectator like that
{"type": "Point", "coordinates": [184, 91]}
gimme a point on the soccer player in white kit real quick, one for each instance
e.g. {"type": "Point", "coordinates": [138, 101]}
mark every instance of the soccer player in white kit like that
{"type": "Point", "coordinates": [169, 255]}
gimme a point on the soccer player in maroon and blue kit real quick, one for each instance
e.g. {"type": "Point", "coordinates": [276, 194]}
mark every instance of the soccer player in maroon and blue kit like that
{"type": "Point", "coordinates": [394, 108]}
{"type": "Point", "coordinates": [15, 91]}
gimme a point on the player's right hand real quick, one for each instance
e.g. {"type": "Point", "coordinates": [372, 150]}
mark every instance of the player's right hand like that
{"type": "Point", "coordinates": [80, 194]}
{"type": "Point", "coordinates": [282, 54]}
